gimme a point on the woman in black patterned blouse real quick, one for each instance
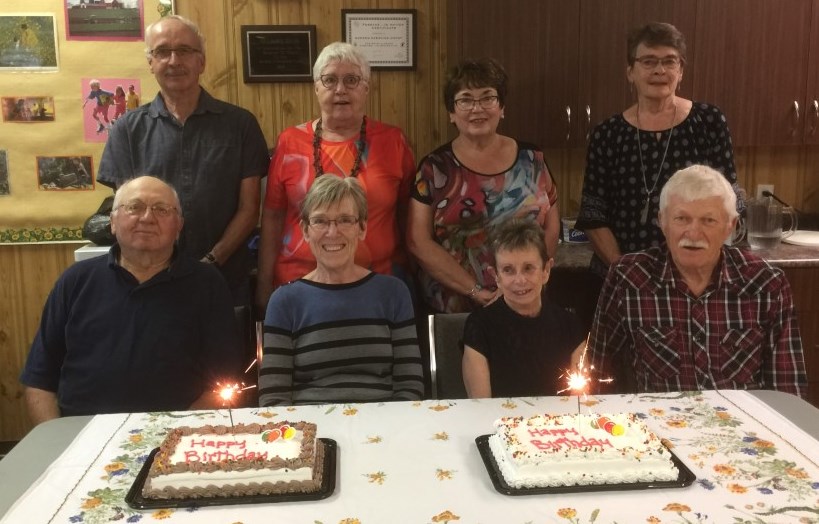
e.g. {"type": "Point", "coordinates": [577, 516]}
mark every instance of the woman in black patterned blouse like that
{"type": "Point", "coordinates": [631, 155]}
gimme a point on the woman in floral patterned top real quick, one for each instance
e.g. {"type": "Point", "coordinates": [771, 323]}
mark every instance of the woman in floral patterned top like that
{"type": "Point", "coordinates": [466, 187]}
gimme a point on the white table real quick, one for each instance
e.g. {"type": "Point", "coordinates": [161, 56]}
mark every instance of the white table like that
{"type": "Point", "coordinates": [417, 462]}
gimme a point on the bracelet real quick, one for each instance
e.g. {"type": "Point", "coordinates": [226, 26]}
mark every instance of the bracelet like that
{"type": "Point", "coordinates": [211, 259]}
{"type": "Point", "coordinates": [475, 289]}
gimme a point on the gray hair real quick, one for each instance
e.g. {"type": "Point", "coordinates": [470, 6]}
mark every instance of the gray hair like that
{"type": "Point", "coordinates": [120, 191]}
{"type": "Point", "coordinates": [697, 182]}
{"type": "Point", "coordinates": [341, 52]}
{"type": "Point", "coordinates": [328, 190]}
{"type": "Point", "coordinates": [517, 234]}
{"type": "Point", "coordinates": [190, 24]}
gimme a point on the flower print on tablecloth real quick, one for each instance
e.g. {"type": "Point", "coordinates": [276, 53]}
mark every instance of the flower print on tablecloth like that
{"type": "Point", "coordinates": [107, 504]}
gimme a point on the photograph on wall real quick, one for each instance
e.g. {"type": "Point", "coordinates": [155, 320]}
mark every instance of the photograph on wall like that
{"type": "Point", "coordinates": [28, 43]}
{"type": "Point", "coordinates": [28, 109]}
{"type": "Point", "coordinates": [105, 100]}
{"type": "Point", "coordinates": [4, 173]}
{"type": "Point", "coordinates": [65, 173]}
{"type": "Point", "coordinates": [166, 7]}
{"type": "Point", "coordinates": [103, 20]}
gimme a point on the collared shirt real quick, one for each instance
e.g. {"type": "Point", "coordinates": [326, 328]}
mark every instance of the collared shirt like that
{"type": "Point", "coordinates": [109, 344]}
{"type": "Point", "coordinates": [740, 333]}
{"type": "Point", "coordinates": [205, 160]}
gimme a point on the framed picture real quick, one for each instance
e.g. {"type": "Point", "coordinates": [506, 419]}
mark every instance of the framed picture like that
{"type": "Point", "coordinates": [28, 42]}
{"type": "Point", "coordinates": [111, 20]}
{"type": "Point", "coordinates": [27, 109]}
{"type": "Point", "coordinates": [65, 173]}
{"type": "Point", "coordinates": [278, 53]}
{"type": "Point", "coordinates": [385, 36]}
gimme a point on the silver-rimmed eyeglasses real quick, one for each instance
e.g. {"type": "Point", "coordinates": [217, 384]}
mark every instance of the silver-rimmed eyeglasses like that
{"type": "Point", "coordinates": [468, 104]}
{"type": "Point", "coordinates": [137, 209]}
{"type": "Point", "coordinates": [182, 52]}
{"type": "Point", "coordinates": [671, 63]}
{"type": "Point", "coordinates": [343, 222]}
{"type": "Point", "coordinates": [349, 81]}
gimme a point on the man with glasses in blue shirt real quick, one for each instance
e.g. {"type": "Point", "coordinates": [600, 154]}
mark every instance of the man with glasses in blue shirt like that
{"type": "Point", "coordinates": [142, 329]}
{"type": "Point", "coordinates": [214, 153]}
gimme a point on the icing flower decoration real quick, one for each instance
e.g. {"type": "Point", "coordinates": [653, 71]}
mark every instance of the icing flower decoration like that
{"type": "Point", "coordinates": [609, 425]}
{"type": "Point", "coordinates": [284, 432]}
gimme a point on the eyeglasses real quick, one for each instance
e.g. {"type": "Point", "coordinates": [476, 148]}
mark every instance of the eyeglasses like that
{"type": "Point", "coordinates": [651, 62]}
{"type": "Point", "coordinates": [343, 223]}
{"type": "Point", "coordinates": [182, 52]}
{"type": "Point", "coordinates": [349, 81]}
{"type": "Point", "coordinates": [137, 209]}
{"type": "Point", "coordinates": [468, 104]}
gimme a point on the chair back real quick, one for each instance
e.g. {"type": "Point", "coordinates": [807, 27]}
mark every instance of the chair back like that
{"type": "Point", "coordinates": [248, 337]}
{"type": "Point", "coordinates": [446, 331]}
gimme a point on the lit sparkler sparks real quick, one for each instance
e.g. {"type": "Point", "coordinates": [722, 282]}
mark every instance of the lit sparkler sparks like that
{"type": "Point", "coordinates": [228, 392]}
{"type": "Point", "coordinates": [579, 379]}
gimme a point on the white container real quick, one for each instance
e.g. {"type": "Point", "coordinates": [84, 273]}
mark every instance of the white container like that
{"type": "Point", "coordinates": [570, 234]}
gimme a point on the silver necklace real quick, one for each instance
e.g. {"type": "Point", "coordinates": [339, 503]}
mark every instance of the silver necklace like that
{"type": "Point", "coordinates": [649, 192]}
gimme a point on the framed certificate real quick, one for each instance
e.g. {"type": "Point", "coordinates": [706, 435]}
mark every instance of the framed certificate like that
{"type": "Point", "coordinates": [385, 36]}
{"type": "Point", "coordinates": [278, 53]}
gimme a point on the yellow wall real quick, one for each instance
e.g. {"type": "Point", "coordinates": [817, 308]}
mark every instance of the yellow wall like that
{"type": "Point", "coordinates": [27, 206]}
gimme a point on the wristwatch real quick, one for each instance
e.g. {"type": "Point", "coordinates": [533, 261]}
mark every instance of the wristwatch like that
{"type": "Point", "coordinates": [211, 259]}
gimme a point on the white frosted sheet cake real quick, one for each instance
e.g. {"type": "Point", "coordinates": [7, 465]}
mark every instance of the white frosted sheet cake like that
{"type": "Point", "coordinates": [572, 450]}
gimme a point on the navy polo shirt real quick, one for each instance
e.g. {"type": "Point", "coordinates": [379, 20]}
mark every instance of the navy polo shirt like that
{"type": "Point", "coordinates": [108, 344]}
{"type": "Point", "coordinates": [205, 160]}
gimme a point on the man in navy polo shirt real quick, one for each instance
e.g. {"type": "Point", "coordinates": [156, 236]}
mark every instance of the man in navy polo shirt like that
{"type": "Point", "coordinates": [144, 328]}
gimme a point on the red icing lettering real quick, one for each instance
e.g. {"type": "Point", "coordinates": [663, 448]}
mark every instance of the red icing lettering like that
{"type": "Point", "coordinates": [569, 443]}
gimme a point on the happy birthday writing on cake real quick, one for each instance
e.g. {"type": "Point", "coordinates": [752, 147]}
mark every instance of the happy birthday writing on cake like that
{"type": "Point", "coordinates": [224, 450]}
{"type": "Point", "coordinates": [565, 440]}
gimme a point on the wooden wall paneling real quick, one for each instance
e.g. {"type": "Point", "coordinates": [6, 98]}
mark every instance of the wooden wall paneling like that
{"type": "Point", "coordinates": [804, 283]}
{"type": "Point", "coordinates": [752, 62]}
{"type": "Point", "coordinates": [28, 273]}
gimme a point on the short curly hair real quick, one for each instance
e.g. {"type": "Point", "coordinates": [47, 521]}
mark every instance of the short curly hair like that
{"type": "Point", "coordinates": [471, 74]}
{"type": "Point", "coordinates": [517, 234]}
{"type": "Point", "coordinates": [655, 34]}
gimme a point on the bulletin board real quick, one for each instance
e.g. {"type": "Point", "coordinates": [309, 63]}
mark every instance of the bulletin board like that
{"type": "Point", "coordinates": [68, 70]}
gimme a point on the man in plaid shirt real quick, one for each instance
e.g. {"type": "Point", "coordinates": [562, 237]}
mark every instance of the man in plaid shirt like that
{"type": "Point", "coordinates": [696, 314]}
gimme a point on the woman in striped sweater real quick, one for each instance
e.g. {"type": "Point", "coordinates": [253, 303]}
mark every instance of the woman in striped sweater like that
{"type": "Point", "coordinates": [342, 333]}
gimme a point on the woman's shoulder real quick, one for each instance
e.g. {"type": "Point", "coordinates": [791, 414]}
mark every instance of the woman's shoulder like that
{"type": "Point", "coordinates": [440, 154]}
{"type": "Point", "coordinates": [706, 112]}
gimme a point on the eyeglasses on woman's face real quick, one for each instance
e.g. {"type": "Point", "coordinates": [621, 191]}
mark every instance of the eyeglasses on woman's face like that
{"type": "Point", "coordinates": [349, 81]}
{"type": "Point", "coordinates": [468, 103]}
{"type": "Point", "coordinates": [342, 222]}
{"type": "Point", "coordinates": [650, 62]}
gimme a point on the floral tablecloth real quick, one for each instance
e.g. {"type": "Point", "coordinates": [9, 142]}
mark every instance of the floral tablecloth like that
{"type": "Point", "coordinates": [417, 462]}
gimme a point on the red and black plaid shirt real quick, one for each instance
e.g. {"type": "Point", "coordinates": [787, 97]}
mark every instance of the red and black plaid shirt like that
{"type": "Point", "coordinates": [741, 333]}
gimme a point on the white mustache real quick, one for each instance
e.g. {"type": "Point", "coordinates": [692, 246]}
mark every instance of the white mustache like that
{"type": "Point", "coordinates": [685, 242]}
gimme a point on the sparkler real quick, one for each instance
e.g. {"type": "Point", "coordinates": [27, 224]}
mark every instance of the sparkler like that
{"type": "Point", "coordinates": [228, 392]}
{"type": "Point", "coordinates": [579, 379]}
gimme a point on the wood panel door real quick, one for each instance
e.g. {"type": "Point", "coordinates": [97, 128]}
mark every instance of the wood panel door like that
{"type": "Point", "coordinates": [604, 27]}
{"type": "Point", "coordinates": [536, 41]}
{"type": "Point", "coordinates": [752, 61]}
{"type": "Point", "coordinates": [810, 131]}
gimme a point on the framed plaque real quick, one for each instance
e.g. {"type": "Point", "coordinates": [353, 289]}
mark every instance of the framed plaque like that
{"type": "Point", "coordinates": [385, 36]}
{"type": "Point", "coordinates": [278, 53]}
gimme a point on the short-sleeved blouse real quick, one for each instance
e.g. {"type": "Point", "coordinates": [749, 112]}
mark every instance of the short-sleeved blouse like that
{"type": "Point", "coordinates": [467, 205]}
{"type": "Point", "coordinates": [614, 190]}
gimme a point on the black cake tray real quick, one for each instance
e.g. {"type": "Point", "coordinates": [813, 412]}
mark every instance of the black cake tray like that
{"type": "Point", "coordinates": [686, 478]}
{"type": "Point", "coordinates": [135, 499]}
